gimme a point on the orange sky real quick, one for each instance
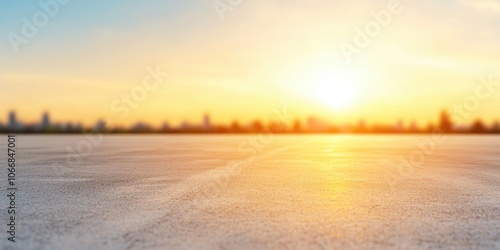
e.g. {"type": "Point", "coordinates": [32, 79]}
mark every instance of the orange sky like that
{"type": "Point", "coordinates": [264, 55]}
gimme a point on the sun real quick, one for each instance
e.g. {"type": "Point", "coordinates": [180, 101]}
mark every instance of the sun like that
{"type": "Point", "coordinates": [324, 83]}
{"type": "Point", "coordinates": [334, 89]}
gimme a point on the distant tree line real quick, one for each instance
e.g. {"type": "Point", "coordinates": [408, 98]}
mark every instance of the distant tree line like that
{"type": "Point", "coordinates": [311, 126]}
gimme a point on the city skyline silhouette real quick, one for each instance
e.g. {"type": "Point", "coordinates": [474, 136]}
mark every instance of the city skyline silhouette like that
{"type": "Point", "coordinates": [312, 124]}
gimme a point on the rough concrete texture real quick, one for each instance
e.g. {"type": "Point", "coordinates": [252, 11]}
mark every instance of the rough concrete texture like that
{"type": "Point", "coordinates": [257, 192]}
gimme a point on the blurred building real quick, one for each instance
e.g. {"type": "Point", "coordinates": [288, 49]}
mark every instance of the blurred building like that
{"type": "Point", "coordinates": [399, 126]}
{"type": "Point", "coordinates": [45, 121]}
{"type": "Point", "coordinates": [478, 126]}
{"type": "Point", "coordinates": [165, 127]}
{"type": "Point", "coordinates": [361, 126]}
{"type": "Point", "coordinates": [13, 123]}
{"type": "Point", "coordinates": [297, 126]}
{"type": "Point", "coordinates": [142, 127]}
{"type": "Point", "coordinates": [445, 123]}
{"type": "Point", "coordinates": [413, 127]}
{"type": "Point", "coordinates": [100, 125]}
{"type": "Point", "coordinates": [185, 126]}
{"type": "Point", "coordinates": [496, 127]}
{"type": "Point", "coordinates": [206, 123]}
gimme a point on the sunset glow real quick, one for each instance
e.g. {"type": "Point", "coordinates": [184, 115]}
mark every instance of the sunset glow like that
{"type": "Point", "coordinates": [334, 89]}
{"type": "Point", "coordinates": [250, 124]}
{"type": "Point", "coordinates": [265, 54]}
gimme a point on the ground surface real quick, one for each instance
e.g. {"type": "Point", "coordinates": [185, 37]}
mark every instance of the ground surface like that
{"type": "Point", "coordinates": [256, 192]}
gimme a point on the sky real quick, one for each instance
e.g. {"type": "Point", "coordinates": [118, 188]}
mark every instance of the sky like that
{"type": "Point", "coordinates": [242, 60]}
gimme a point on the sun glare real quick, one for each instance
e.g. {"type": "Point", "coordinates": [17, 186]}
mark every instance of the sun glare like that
{"type": "Point", "coordinates": [326, 84]}
{"type": "Point", "coordinates": [333, 89]}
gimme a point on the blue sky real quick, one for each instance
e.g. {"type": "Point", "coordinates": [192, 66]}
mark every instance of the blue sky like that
{"type": "Point", "coordinates": [91, 52]}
